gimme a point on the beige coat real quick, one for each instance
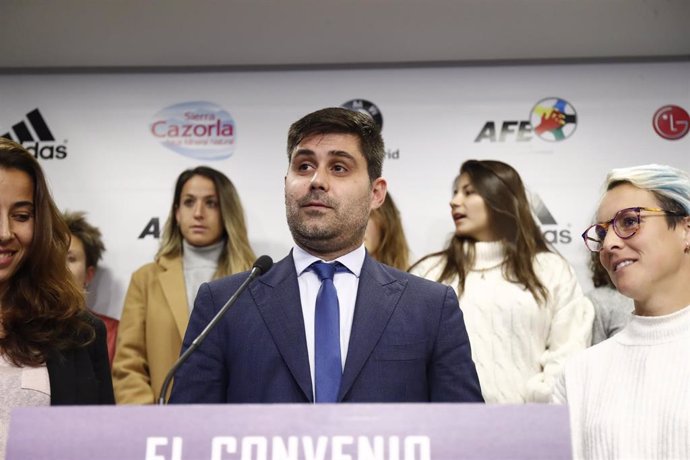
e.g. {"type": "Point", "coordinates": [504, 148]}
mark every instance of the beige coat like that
{"type": "Point", "coordinates": [154, 319]}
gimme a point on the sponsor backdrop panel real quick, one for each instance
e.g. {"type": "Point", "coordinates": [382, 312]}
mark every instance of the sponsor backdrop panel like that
{"type": "Point", "coordinates": [113, 144]}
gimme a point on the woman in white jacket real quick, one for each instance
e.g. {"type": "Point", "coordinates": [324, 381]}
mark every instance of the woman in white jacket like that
{"type": "Point", "coordinates": [629, 396]}
{"type": "Point", "coordinates": [524, 309]}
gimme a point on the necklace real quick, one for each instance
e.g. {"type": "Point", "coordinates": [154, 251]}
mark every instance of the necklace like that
{"type": "Point", "coordinates": [483, 271]}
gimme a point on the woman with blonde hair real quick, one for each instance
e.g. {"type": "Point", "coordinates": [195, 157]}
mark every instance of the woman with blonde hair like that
{"type": "Point", "coordinates": [629, 396]}
{"type": "Point", "coordinates": [52, 351]}
{"type": "Point", "coordinates": [524, 310]}
{"type": "Point", "coordinates": [385, 238]}
{"type": "Point", "coordinates": [204, 238]}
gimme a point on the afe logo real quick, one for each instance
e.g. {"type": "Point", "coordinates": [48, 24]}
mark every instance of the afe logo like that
{"type": "Point", "coordinates": [552, 119]}
{"type": "Point", "coordinates": [521, 130]}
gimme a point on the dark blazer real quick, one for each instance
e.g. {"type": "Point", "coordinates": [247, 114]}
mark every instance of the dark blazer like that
{"type": "Point", "coordinates": [408, 343]}
{"type": "Point", "coordinates": [82, 375]}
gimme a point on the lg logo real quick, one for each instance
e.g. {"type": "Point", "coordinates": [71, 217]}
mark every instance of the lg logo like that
{"type": "Point", "coordinates": [671, 122]}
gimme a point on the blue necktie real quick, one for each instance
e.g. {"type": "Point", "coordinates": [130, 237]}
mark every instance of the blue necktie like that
{"type": "Point", "coordinates": [327, 364]}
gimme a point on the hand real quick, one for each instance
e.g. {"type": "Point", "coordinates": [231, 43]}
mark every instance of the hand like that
{"type": "Point", "coordinates": [550, 121]}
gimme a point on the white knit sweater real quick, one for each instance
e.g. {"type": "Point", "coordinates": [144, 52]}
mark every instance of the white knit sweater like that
{"type": "Point", "coordinates": [519, 346]}
{"type": "Point", "coordinates": [629, 396]}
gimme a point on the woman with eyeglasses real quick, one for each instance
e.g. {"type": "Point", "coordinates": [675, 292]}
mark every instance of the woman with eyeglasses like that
{"type": "Point", "coordinates": [629, 396]}
{"type": "Point", "coordinates": [524, 310]}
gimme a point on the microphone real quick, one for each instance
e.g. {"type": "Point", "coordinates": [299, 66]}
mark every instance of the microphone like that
{"type": "Point", "coordinates": [262, 265]}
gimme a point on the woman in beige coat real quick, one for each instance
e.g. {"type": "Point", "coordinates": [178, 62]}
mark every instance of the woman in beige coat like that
{"type": "Point", "coordinates": [205, 237]}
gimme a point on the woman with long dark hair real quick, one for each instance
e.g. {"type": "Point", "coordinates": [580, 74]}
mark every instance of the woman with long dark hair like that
{"type": "Point", "coordinates": [204, 238]}
{"type": "Point", "coordinates": [524, 310]}
{"type": "Point", "coordinates": [52, 351]}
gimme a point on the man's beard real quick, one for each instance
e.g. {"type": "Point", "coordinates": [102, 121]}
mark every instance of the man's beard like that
{"type": "Point", "coordinates": [327, 235]}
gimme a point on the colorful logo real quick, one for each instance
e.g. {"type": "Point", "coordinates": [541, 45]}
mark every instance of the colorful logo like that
{"type": "Point", "coordinates": [671, 122]}
{"type": "Point", "coordinates": [37, 138]}
{"type": "Point", "coordinates": [367, 108]}
{"type": "Point", "coordinates": [553, 119]}
{"type": "Point", "coordinates": [199, 130]}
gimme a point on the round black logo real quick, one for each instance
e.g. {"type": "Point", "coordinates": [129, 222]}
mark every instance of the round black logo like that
{"type": "Point", "coordinates": [366, 107]}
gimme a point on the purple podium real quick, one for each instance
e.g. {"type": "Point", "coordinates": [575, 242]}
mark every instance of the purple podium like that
{"type": "Point", "coordinates": [291, 432]}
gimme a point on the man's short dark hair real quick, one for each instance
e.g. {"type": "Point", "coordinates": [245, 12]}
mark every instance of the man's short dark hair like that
{"type": "Point", "coordinates": [337, 120]}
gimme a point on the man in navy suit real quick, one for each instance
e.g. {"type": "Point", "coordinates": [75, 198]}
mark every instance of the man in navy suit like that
{"type": "Point", "coordinates": [396, 337]}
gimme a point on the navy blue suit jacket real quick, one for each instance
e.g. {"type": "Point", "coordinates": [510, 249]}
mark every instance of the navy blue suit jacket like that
{"type": "Point", "coordinates": [408, 343]}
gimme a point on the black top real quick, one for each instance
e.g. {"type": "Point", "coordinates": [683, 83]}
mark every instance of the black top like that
{"type": "Point", "coordinates": [82, 375]}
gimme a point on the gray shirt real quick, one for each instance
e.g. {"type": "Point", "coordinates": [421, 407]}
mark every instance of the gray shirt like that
{"type": "Point", "coordinates": [612, 312]}
{"type": "Point", "coordinates": [199, 265]}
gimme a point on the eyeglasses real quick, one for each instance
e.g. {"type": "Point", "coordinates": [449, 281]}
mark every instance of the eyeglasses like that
{"type": "Point", "coordinates": [625, 224]}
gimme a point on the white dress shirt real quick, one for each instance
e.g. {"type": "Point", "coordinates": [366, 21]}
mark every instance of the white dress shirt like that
{"type": "Point", "coordinates": [346, 283]}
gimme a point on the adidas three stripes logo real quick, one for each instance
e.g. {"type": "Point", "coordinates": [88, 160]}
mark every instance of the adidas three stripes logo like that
{"type": "Point", "coordinates": [22, 133]}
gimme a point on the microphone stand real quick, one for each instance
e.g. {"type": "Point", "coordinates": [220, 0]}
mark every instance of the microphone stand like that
{"type": "Point", "coordinates": [256, 271]}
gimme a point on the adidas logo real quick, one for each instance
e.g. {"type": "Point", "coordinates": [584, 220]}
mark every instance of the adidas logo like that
{"type": "Point", "coordinates": [21, 130]}
{"type": "Point", "coordinates": [35, 135]}
{"type": "Point", "coordinates": [551, 235]}
{"type": "Point", "coordinates": [543, 214]}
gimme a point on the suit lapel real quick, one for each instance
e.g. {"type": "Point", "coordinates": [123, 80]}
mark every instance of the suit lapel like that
{"type": "Point", "coordinates": [377, 297]}
{"type": "Point", "coordinates": [277, 296]}
{"type": "Point", "coordinates": [172, 284]}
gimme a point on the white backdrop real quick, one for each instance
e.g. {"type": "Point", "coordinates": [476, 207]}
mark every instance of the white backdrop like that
{"type": "Point", "coordinates": [122, 175]}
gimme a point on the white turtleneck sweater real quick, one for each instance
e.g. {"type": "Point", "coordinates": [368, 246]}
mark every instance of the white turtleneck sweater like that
{"type": "Point", "coordinates": [199, 264]}
{"type": "Point", "coordinates": [519, 346]}
{"type": "Point", "coordinates": [629, 396]}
